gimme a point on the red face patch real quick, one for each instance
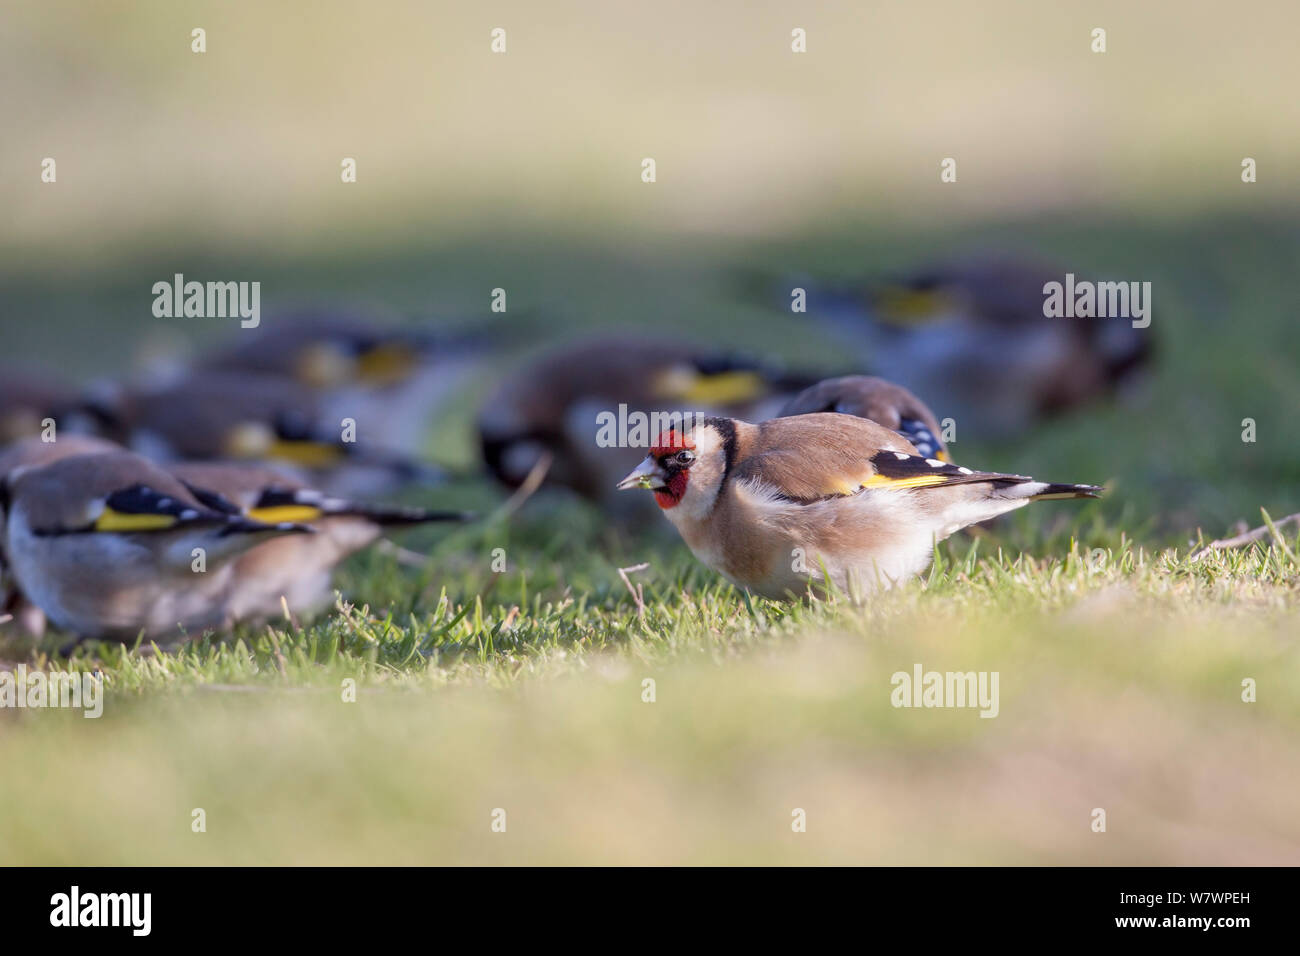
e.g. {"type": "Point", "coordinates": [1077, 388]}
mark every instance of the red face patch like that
{"type": "Point", "coordinates": [670, 496]}
{"type": "Point", "coordinates": [669, 442]}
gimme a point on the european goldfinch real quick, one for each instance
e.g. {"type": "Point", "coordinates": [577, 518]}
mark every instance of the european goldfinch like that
{"type": "Point", "coordinates": [253, 417]}
{"type": "Point", "coordinates": [394, 378]}
{"type": "Point", "coordinates": [327, 350]}
{"type": "Point", "coordinates": [296, 569]}
{"type": "Point", "coordinates": [971, 336]}
{"type": "Point", "coordinates": [110, 546]}
{"type": "Point", "coordinates": [550, 407]}
{"type": "Point", "coordinates": [775, 507]}
{"type": "Point", "coordinates": [32, 453]}
{"type": "Point", "coordinates": [878, 400]}
{"type": "Point", "coordinates": [27, 401]}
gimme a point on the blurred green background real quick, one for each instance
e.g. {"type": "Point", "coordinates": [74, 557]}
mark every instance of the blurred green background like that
{"type": "Point", "coordinates": [522, 171]}
{"type": "Point", "coordinates": [239, 147]}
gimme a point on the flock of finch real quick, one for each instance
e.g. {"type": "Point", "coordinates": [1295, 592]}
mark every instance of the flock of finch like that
{"type": "Point", "coordinates": [229, 491]}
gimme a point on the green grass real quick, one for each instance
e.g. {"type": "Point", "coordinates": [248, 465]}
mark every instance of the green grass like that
{"type": "Point", "coordinates": [1120, 688]}
{"type": "Point", "coordinates": [1121, 675]}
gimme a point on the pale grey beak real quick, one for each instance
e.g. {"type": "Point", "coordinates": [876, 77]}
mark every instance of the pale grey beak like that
{"type": "Point", "coordinates": [645, 475]}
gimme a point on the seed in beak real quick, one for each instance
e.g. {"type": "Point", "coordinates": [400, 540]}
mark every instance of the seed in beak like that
{"type": "Point", "coordinates": [646, 475]}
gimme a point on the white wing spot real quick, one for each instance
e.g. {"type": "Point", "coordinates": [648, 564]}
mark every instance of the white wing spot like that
{"type": "Point", "coordinates": [900, 456]}
{"type": "Point", "coordinates": [966, 471]}
{"type": "Point", "coordinates": [934, 463]}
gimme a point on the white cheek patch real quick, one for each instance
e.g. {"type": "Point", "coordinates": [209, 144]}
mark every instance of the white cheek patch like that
{"type": "Point", "coordinates": [703, 482]}
{"type": "Point", "coordinates": [705, 476]}
{"type": "Point", "coordinates": [697, 500]}
{"type": "Point", "coordinates": [707, 441]}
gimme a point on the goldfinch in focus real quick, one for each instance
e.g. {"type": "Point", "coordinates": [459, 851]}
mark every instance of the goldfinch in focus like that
{"type": "Point", "coordinates": [549, 407]}
{"type": "Point", "coordinates": [296, 569]}
{"type": "Point", "coordinates": [882, 402]}
{"type": "Point", "coordinates": [773, 507]}
{"type": "Point", "coordinates": [110, 546]}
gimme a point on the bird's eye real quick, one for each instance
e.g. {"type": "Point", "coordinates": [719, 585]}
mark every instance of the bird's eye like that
{"type": "Point", "coordinates": [685, 457]}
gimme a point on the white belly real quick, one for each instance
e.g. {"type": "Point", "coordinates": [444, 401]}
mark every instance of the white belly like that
{"type": "Point", "coordinates": [109, 586]}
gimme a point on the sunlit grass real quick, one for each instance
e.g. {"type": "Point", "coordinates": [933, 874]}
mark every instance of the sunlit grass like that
{"type": "Point", "coordinates": [1121, 688]}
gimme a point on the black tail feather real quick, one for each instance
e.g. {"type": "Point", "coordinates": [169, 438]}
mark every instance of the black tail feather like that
{"type": "Point", "coordinates": [1060, 490]}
